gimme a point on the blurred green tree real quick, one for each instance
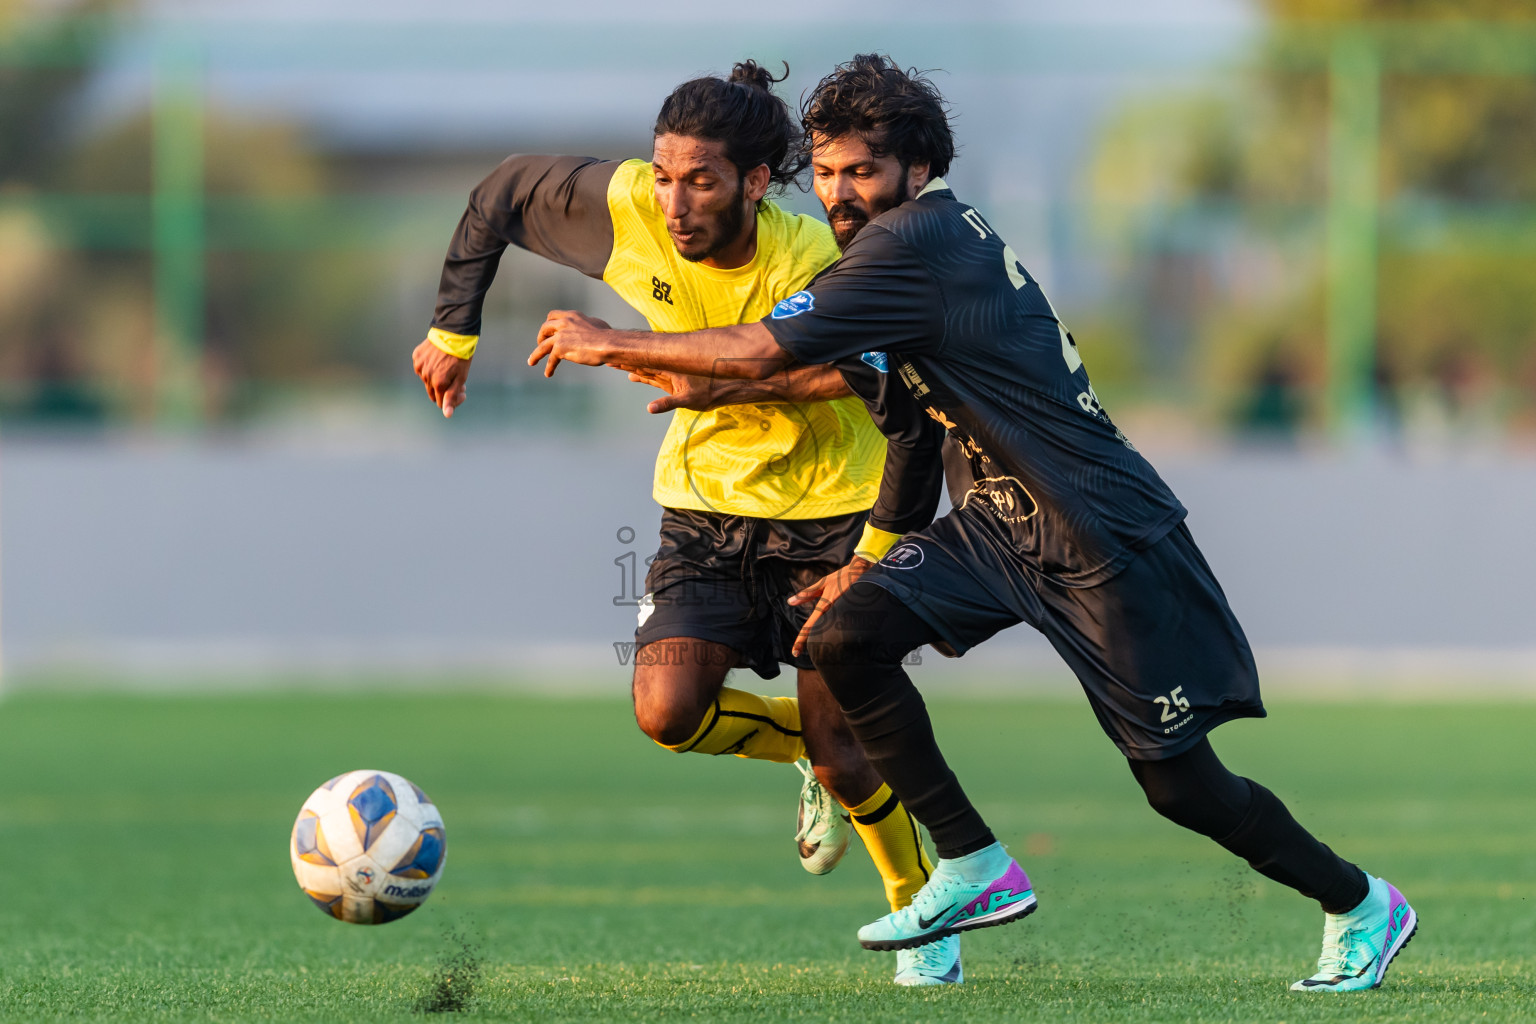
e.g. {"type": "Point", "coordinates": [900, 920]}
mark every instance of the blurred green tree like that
{"type": "Point", "coordinates": [279, 319]}
{"type": "Point", "coordinates": [1213, 200]}
{"type": "Point", "coordinates": [77, 317]}
{"type": "Point", "coordinates": [35, 102]}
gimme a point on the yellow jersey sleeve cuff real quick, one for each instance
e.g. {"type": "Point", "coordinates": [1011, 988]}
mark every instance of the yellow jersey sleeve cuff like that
{"type": "Point", "coordinates": [873, 543]}
{"type": "Point", "coordinates": [461, 346]}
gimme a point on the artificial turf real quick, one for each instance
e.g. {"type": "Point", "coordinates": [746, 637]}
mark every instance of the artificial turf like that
{"type": "Point", "coordinates": [592, 876]}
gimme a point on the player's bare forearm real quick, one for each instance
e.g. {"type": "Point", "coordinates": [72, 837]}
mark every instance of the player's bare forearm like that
{"type": "Point", "coordinates": [796, 383]}
{"type": "Point", "coordinates": [743, 352]}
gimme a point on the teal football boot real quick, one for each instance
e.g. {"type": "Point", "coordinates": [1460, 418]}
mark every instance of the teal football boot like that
{"type": "Point", "coordinates": [937, 963]}
{"type": "Point", "coordinates": [1359, 946]}
{"type": "Point", "coordinates": [951, 903]}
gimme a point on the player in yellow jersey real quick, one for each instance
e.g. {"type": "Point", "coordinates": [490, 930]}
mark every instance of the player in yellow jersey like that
{"type": "Point", "coordinates": [765, 486]}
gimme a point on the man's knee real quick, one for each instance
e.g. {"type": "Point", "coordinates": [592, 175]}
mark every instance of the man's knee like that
{"type": "Point", "coordinates": [669, 724]}
{"type": "Point", "coordinates": [1169, 802]}
{"type": "Point", "coordinates": [672, 699]}
{"type": "Point", "coordinates": [1200, 795]}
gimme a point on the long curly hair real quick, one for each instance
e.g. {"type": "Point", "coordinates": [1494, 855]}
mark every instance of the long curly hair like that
{"type": "Point", "coordinates": [895, 112]}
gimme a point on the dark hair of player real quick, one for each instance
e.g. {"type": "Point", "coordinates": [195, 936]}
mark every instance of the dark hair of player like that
{"type": "Point", "coordinates": [742, 112]}
{"type": "Point", "coordinates": [895, 112]}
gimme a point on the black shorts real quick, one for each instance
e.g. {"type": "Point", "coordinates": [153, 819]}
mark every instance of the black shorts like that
{"type": "Point", "coordinates": [727, 579]}
{"type": "Point", "coordinates": [1157, 649]}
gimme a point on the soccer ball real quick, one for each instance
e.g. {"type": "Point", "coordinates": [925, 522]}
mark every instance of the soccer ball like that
{"type": "Point", "coordinates": [368, 847]}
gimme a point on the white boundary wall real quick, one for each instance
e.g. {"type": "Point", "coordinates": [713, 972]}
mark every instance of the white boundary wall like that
{"type": "Point", "coordinates": [500, 561]}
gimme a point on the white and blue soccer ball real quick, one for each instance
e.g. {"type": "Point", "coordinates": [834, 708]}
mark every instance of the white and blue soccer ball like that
{"type": "Point", "coordinates": [368, 847]}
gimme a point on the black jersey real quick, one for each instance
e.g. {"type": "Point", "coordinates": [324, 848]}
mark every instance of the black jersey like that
{"type": "Point", "coordinates": [979, 348]}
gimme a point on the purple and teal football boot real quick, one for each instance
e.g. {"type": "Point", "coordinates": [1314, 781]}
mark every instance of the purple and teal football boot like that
{"type": "Point", "coordinates": [1359, 946]}
{"type": "Point", "coordinates": [950, 904]}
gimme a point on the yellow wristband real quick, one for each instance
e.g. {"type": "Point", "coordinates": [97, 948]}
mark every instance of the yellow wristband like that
{"type": "Point", "coordinates": [873, 544]}
{"type": "Point", "coordinates": [461, 346]}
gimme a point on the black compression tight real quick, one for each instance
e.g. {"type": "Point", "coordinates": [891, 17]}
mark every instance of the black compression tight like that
{"type": "Point", "coordinates": [859, 646]}
{"type": "Point", "coordinates": [1197, 791]}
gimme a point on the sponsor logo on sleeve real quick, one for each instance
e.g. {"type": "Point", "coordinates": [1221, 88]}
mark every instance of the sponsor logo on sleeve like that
{"type": "Point", "coordinates": [800, 302]}
{"type": "Point", "coordinates": [914, 383]}
{"type": "Point", "coordinates": [903, 556]}
{"type": "Point", "coordinates": [876, 359]}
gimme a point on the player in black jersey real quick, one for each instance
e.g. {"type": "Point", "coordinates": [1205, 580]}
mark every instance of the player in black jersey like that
{"type": "Point", "coordinates": [1058, 521]}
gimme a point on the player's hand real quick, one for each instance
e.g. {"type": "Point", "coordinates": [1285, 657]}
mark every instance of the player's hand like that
{"type": "Point", "coordinates": [443, 374]}
{"type": "Point", "coordinates": [825, 591]}
{"type": "Point", "coordinates": [572, 337]}
{"type": "Point", "coordinates": [684, 391]}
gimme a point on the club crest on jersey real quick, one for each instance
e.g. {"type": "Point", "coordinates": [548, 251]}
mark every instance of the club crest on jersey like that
{"type": "Point", "coordinates": [875, 359]}
{"type": "Point", "coordinates": [800, 302]}
{"type": "Point", "coordinates": [1005, 497]}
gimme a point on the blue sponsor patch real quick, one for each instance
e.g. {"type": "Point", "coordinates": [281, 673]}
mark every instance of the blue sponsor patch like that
{"type": "Point", "coordinates": [875, 359]}
{"type": "Point", "coordinates": [800, 302]}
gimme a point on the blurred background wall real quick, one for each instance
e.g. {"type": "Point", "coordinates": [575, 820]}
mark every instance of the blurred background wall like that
{"type": "Point", "coordinates": [1296, 241]}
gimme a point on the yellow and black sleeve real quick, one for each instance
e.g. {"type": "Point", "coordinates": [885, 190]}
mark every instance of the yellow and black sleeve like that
{"type": "Point", "coordinates": [555, 206]}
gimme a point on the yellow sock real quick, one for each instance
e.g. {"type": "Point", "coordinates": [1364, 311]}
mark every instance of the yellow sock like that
{"type": "Point", "coordinates": [890, 835]}
{"type": "Point", "coordinates": [747, 725]}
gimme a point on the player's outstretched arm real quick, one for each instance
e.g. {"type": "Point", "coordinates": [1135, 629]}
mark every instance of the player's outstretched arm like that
{"type": "Point", "coordinates": [913, 476]}
{"type": "Point", "coordinates": [743, 352]}
{"type": "Point", "coordinates": [909, 486]}
{"type": "Point", "coordinates": [686, 391]}
{"type": "Point", "coordinates": [555, 206]}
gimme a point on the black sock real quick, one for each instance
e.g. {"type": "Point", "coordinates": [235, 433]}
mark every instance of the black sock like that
{"type": "Point", "coordinates": [1197, 791]}
{"type": "Point", "coordinates": [858, 647]}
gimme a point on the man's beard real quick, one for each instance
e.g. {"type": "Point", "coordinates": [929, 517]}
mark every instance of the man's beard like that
{"type": "Point", "coordinates": [857, 218]}
{"type": "Point", "coordinates": [725, 231]}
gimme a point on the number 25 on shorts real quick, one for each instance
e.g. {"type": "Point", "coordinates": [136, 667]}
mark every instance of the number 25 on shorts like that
{"type": "Point", "coordinates": [1172, 704]}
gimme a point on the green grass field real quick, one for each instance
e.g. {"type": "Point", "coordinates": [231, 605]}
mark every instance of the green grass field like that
{"type": "Point", "coordinates": [596, 877]}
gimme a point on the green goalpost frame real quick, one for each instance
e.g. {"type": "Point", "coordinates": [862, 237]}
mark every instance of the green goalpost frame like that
{"type": "Point", "coordinates": [1352, 211]}
{"type": "Point", "coordinates": [178, 230]}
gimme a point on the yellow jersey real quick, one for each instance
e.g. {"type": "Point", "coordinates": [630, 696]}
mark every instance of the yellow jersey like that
{"type": "Point", "coordinates": [770, 460]}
